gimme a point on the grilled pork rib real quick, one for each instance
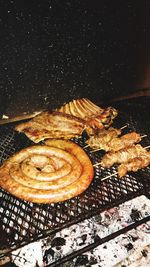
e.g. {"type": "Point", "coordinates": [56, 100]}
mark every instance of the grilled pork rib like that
{"type": "Point", "coordinates": [94, 115]}
{"type": "Point", "coordinates": [53, 125]}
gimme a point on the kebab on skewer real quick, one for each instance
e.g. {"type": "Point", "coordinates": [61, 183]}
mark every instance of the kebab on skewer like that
{"type": "Point", "coordinates": [134, 164]}
{"type": "Point", "coordinates": [109, 140]}
{"type": "Point", "coordinates": [122, 142]}
{"type": "Point", "coordinates": [103, 137]}
{"type": "Point", "coordinates": [123, 155]}
{"type": "Point", "coordinates": [132, 158]}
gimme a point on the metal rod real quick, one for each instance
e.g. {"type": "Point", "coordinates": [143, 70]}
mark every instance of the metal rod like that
{"type": "Point", "coordinates": [108, 176]}
{"type": "Point", "coordinates": [97, 242]}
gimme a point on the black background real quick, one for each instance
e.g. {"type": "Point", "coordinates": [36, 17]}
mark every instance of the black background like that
{"type": "Point", "coordinates": [54, 51]}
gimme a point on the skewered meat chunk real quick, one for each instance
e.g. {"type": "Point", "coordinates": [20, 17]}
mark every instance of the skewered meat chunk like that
{"type": "Point", "coordinates": [95, 116]}
{"type": "Point", "coordinates": [53, 125]}
{"type": "Point", "coordinates": [134, 164]}
{"type": "Point", "coordinates": [123, 142]}
{"type": "Point", "coordinates": [103, 137]}
{"type": "Point", "coordinates": [123, 155]}
{"type": "Point", "coordinates": [109, 140]}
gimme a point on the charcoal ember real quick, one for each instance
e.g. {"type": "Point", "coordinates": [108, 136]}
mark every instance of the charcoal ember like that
{"type": "Point", "coordinates": [49, 253]}
{"type": "Point", "coordinates": [129, 246]}
{"type": "Point", "coordinates": [135, 215]}
{"type": "Point", "coordinates": [58, 241]}
{"type": "Point", "coordinates": [82, 261]}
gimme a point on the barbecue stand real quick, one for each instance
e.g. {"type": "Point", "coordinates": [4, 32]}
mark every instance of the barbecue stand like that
{"type": "Point", "coordinates": [24, 222]}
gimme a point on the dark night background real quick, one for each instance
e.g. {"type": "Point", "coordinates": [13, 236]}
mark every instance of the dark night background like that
{"type": "Point", "coordinates": [54, 51]}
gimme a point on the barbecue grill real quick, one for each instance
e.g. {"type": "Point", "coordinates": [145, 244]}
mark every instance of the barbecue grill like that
{"type": "Point", "coordinates": [24, 222]}
{"type": "Point", "coordinates": [40, 80]}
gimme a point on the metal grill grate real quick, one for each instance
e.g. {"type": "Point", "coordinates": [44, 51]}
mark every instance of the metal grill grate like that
{"type": "Point", "coordinates": [23, 222]}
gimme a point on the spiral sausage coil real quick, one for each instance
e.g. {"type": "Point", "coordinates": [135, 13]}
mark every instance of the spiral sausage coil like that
{"type": "Point", "coordinates": [49, 173]}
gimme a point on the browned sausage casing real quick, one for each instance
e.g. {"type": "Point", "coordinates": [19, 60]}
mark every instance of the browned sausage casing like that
{"type": "Point", "coordinates": [56, 171]}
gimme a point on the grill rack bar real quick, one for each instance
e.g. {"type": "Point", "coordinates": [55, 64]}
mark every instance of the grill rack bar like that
{"type": "Point", "coordinates": [98, 242]}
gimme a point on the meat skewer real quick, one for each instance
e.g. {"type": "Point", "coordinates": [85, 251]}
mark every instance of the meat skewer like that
{"type": "Point", "coordinates": [123, 155]}
{"type": "Point", "coordinates": [118, 143]}
{"type": "Point", "coordinates": [99, 163]}
{"type": "Point", "coordinates": [123, 141]}
{"type": "Point", "coordinates": [134, 165]}
{"type": "Point", "coordinates": [103, 137]}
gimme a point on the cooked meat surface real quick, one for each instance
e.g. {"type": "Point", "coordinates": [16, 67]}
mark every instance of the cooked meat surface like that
{"type": "Point", "coordinates": [123, 155]}
{"type": "Point", "coordinates": [134, 164]}
{"type": "Point", "coordinates": [124, 141]}
{"type": "Point", "coordinates": [109, 141]}
{"type": "Point", "coordinates": [102, 139]}
{"type": "Point", "coordinates": [94, 115]}
{"type": "Point", "coordinates": [82, 108]}
{"type": "Point", "coordinates": [47, 173]}
{"type": "Point", "coordinates": [52, 125]}
{"type": "Point", "coordinates": [68, 121]}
